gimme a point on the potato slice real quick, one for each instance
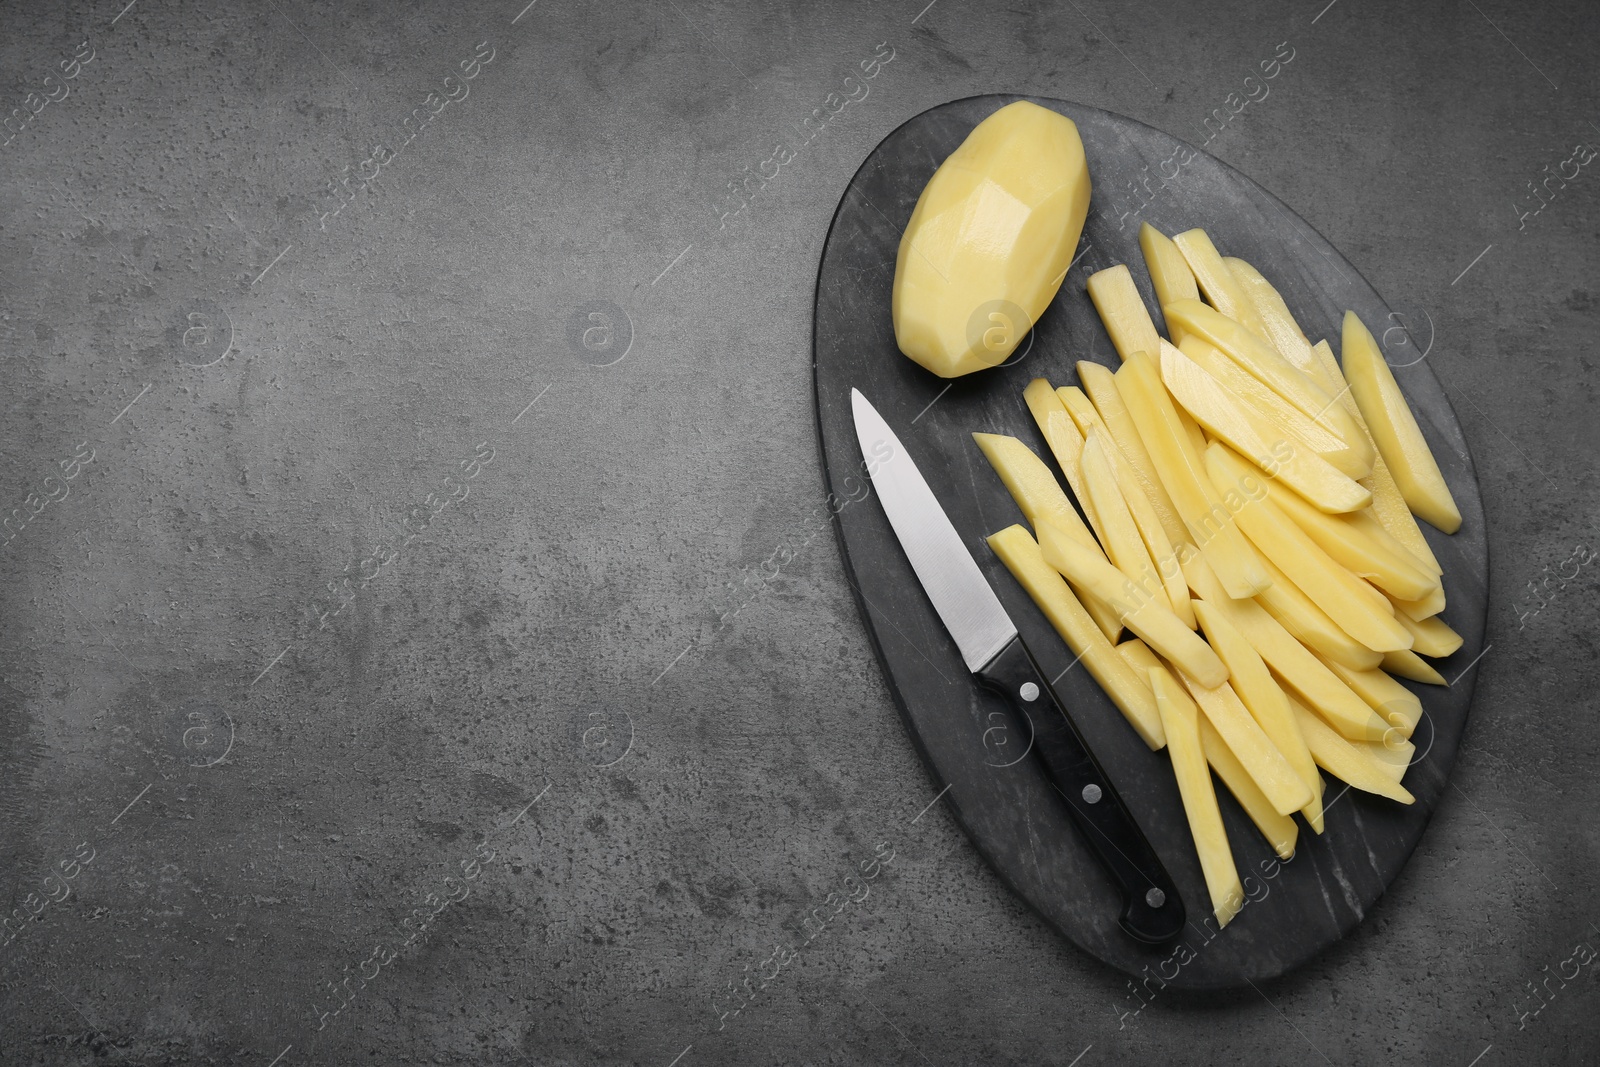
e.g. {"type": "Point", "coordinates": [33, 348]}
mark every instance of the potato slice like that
{"type": "Point", "coordinates": [1101, 386]}
{"type": "Point", "coordinates": [1407, 664]}
{"type": "Point", "coordinates": [1388, 505]}
{"type": "Point", "coordinates": [1350, 544]}
{"type": "Point", "coordinates": [1279, 830]}
{"type": "Point", "coordinates": [1289, 420]}
{"type": "Point", "coordinates": [1430, 637]}
{"type": "Point", "coordinates": [1170, 275]}
{"type": "Point", "coordinates": [1130, 482]}
{"type": "Point", "coordinates": [1066, 444]}
{"type": "Point", "coordinates": [1394, 429]}
{"type": "Point", "coordinates": [1293, 664]}
{"type": "Point", "coordinates": [1253, 683]}
{"type": "Point", "coordinates": [1123, 543]}
{"type": "Point", "coordinates": [1391, 700]}
{"type": "Point", "coordinates": [1393, 755]}
{"type": "Point", "coordinates": [1181, 721]}
{"type": "Point", "coordinates": [1222, 290]}
{"type": "Point", "coordinates": [1139, 604]}
{"type": "Point", "coordinates": [1039, 495]}
{"type": "Point", "coordinates": [1281, 329]}
{"type": "Point", "coordinates": [1418, 610]}
{"type": "Point", "coordinates": [1210, 523]}
{"type": "Point", "coordinates": [1347, 762]}
{"type": "Point", "coordinates": [1262, 360]}
{"type": "Point", "coordinates": [1310, 625]}
{"type": "Point", "coordinates": [1127, 688]}
{"type": "Point", "coordinates": [1335, 590]}
{"type": "Point", "coordinates": [1245, 739]}
{"type": "Point", "coordinates": [1253, 435]}
{"type": "Point", "coordinates": [1122, 310]}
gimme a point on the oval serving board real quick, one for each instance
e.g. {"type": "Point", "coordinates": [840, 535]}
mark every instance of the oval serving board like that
{"type": "Point", "coordinates": [1003, 802]}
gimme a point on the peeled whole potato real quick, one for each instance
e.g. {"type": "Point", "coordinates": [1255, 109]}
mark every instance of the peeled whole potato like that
{"type": "Point", "coordinates": [990, 240]}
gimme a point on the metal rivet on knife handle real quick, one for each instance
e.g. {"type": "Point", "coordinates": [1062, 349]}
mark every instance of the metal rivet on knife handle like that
{"type": "Point", "coordinates": [1091, 793]}
{"type": "Point", "coordinates": [1028, 692]}
{"type": "Point", "coordinates": [1155, 898]}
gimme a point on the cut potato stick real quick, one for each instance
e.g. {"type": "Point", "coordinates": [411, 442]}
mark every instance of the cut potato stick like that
{"type": "Point", "coordinates": [1065, 442]}
{"type": "Point", "coordinates": [1267, 766]}
{"type": "Point", "coordinates": [1280, 831]}
{"type": "Point", "coordinates": [1391, 700]}
{"type": "Point", "coordinates": [1293, 664]}
{"type": "Point", "coordinates": [1335, 590]}
{"type": "Point", "coordinates": [1042, 502]}
{"type": "Point", "coordinates": [1101, 386]}
{"type": "Point", "coordinates": [1181, 721]}
{"type": "Point", "coordinates": [1222, 290]}
{"type": "Point", "coordinates": [1407, 664]}
{"type": "Point", "coordinates": [1388, 504]}
{"type": "Point", "coordinates": [1254, 436]}
{"type": "Point", "coordinates": [1262, 360]}
{"type": "Point", "coordinates": [1393, 755]}
{"type": "Point", "coordinates": [1418, 610]}
{"type": "Point", "coordinates": [1352, 546]}
{"type": "Point", "coordinates": [1266, 702]}
{"type": "Point", "coordinates": [1367, 522]}
{"type": "Point", "coordinates": [1170, 275]}
{"type": "Point", "coordinates": [1124, 544]}
{"type": "Point", "coordinates": [1430, 637]}
{"type": "Point", "coordinates": [1210, 524]}
{"type": "Point", "coordinates": [1144, 514]}
{"type": "Point", "coordinates": [1310, 625]}
{"type": "Point", "coordinates": [1347, 762]}
{"type": "Point", "coordinates": [1281, 329]}
{"type": "Point", "coordinates": [1289, 420]}
{"type": "Point", "coordinates": [1126, 687]}
{"type": "Point", "coordinates": [1122, 310]}
{"type": "Point", "coordinates": [1141, 610]}
{"type": "Point", "coordinates": [1394, 429]}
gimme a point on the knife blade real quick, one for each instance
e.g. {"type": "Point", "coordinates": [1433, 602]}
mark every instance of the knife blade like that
{"type": "Point", "coordinates": [1152, 910]}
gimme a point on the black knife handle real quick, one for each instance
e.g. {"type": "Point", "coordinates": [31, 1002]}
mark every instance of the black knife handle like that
{"type": "Point", "coordinates": [1152, 910]}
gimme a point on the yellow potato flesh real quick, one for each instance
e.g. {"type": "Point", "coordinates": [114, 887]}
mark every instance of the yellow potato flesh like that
{"type": "Point", "coordinates": [1293, 664]}
{"type": "Point", "coordinates": [1065, 441]}
{"type": "Point", "coordinates": [1125, 686]}
{"type": "Point", "coordinates": [1289, 420]}
{"type": "Point", "coordinates": [1430, 637]}
{"type": "Point", "coordinates": [1345, 598]}
{"type": "Point", "coordinates": [1222, 290]}
{"type": "Point", "coordinates": [1101, 386]}
{"type": "Point", "coordinates": [1141, 609]}
{"type": "Point", "coordinates": [1281, 329]}
{"type": "Point", "coordinates": [1394, 429]}
{"type": "Point", "coordinates": [1254, 436]}
{"type": "Point", "coordinates": [1393, 701]}
{"type": "Point", "coordinates": [1348, 763]}
{"type": "Point", "coordinates": [1266, 702]}
{"type": "Point", "coordinates": [1210, 523]}
{"type": "Point", "coordinates": [1392, 755]}
{"type": "Point", "coordinates": [1123, 543]}
{"type": "Point", "coordinates": [1407, 664]}
{"type": "Point", "coordinates": [1042, 502]}
{"type": "Point", "coordinates": [1181, 721]}
{"type": "Point", "coordinates": [1417, 610]}
{"type": "Point", "coordinates": [1389, 507]}
{"type": "Point", "coordinates": [1122, 311]}
{"type": "Point", "coordinates": [990, 240]}
{"type": "Point", "coordinates": [1352, 546]}
{"type": "Point", "coordinates": [1170, 275]}
{"type": "Point", "coordinates": [1310, 625]}
{"type": "Point", "coordinates": [1245, 739]}
{"type": "Point", "coordinates": [1263, 361]}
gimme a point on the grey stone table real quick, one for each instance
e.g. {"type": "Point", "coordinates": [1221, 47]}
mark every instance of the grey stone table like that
{"type": "Point", "coordinates": [421, 635]}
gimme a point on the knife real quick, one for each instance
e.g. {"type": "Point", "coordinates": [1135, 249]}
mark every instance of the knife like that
{"type": "Point", "coordinates": [1152, 910]}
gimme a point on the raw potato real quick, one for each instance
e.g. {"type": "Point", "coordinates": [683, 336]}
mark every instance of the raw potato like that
{"type": "Point", "coordinates": [1122, 311]}
{"type": "Point", "coordinates": [1336, 591]}
{"type": "Point", "coordinates": [1348, 762]}
{"type": "Point", "coordinates": [1407, 664]}
{"type": "Point", "coordinates": [1360, 553]}
{"type": "Point", "coordinates": [1417, 610]}
{"type": "Point", "coordinates": [1291, 662]}
{"type": "Point", "coordinates": [1065, 441]}
{"type": "Point", "coordinates": [1101, 386]}
{"type": "Point", "coordinates": [1255, 750]}
{"type": "Point", "coordinates": [990, 240]}
{"type": "Point", "coordinates": [1394, 429]}
{"type": "Point", "coordinates": [1216, 281]}
{"type": "Point", "coordinates": [1181, 721]}
{"type": "Point", "coordinates": [1393, 755]}
{"type": "Point", "coordinates": [1267, 704]}
{"type": "Point", "coordinates": [1141, 611]}
{"type": "Point", "coordinates": [1281, 329]}
{"type": "Point", "coordinates": [1253, 435]}
{"type": "Point", "coordinates": [1310, 625]}
{"type": "Point", "coordinates": [1126, 687]}
{"type": "Point", "coordinates": [1399, 705]}
{"type": "Point", "coordinates": [1210, 524]}
{"type": "Point", "coordinates": [1123, 543]}
{"type": "Point", "coordinates": [1170, 275]}
{"type": "Point", "coordinates": [1430, 637]}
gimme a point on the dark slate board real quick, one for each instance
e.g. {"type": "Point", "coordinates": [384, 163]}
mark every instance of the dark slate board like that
{"type": "Point", "coordinates": [1010, 812]}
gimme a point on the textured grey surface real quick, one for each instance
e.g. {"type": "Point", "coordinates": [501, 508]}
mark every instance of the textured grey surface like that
{"type": "Point", "coordinates": [603, 579]}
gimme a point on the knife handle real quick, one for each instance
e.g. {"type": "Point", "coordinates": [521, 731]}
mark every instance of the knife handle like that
{"type": "Point", "coordinates": [1152, 910]}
